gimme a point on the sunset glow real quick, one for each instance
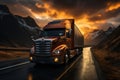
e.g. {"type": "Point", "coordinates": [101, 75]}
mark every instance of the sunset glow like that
{"type": "Point", "coordinates": [113, 7]}
{"type": "Point", "coordinates": [96, 15]}
{"type": "Point", "coordinates": [83, 23]}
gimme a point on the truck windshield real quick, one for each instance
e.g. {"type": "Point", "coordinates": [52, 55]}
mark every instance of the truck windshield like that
{"type": "Point", "coordinates": [55, 32]}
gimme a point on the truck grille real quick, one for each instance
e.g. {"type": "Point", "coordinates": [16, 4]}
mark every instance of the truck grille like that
{"type": "Point", "coordinates": [42, 48]}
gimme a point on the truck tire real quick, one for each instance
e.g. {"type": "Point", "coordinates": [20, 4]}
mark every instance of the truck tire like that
{"type": "Point", "coordinates": [77, 51]}
{"type": "Point", "coordinates": [66, 57]}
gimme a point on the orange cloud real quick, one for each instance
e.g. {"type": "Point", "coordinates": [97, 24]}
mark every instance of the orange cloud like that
{"type": "Point", "coordinates": [50, 12]}
{"type": "Point", "coordinates": [87, 18]}
{"type": "Point", "coordinates": [83, 22]}
{"type": "Point", "coordinates": [113, 7]}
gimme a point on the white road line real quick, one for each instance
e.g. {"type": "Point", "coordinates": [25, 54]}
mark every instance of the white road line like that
{"type": "Point", "coordinates": [68, 68]}
{"type": "Point", "coordinates": [14, 65]}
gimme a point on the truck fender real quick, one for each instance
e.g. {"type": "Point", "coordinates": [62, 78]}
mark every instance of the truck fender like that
{"type": "Point", "coordinates": [62, 47]}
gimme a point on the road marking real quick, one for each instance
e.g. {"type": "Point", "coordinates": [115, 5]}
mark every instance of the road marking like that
{"type": "Point", "coordinates": [14, 65]}
{"type": "Point", "coordinates": [68, 68]}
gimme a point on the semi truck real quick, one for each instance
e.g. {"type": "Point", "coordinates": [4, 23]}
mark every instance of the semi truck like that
{"type": "Point", "coordinates": [59, 41]}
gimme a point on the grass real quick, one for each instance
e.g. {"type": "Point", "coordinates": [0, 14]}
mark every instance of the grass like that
{"type": "Point", "coordinates": [109, 63]}
{"type": "Point", "coordinates": [7, 55]}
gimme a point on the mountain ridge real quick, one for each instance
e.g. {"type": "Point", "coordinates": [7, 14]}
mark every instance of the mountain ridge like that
{"type": "Point", "coordinates": [108, 40]}
{"type": "Point", "coordinates": [16, 31]}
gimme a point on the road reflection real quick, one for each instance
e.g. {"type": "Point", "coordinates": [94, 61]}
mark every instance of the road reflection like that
{"type": "Point", "coordinates": [30, 77]}
{"type": "Point", "coordinates": [87, 71]}
{"type": "Point", "coordinates": [84, 69]}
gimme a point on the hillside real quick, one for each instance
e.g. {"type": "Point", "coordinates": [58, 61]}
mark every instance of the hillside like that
{"type": "Point", "coordinates": [16, 31]}
{"type": "Point", "coordinates": [107, 53]}
{"type": "Point", "coordinates": [112, 42]}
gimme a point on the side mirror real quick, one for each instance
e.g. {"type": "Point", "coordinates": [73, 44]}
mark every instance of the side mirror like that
{"type": "Point", "coordinates": [68, 34]}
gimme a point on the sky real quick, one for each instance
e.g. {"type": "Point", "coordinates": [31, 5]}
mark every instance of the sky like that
{"type": "Point", "coordinates": [88, 14]}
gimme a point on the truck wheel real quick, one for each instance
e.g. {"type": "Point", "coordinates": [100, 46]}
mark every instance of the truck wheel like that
{"type": "Point", "coordinates": [77, 51]}
{"type": "Point", "coordinates": [66, 58]}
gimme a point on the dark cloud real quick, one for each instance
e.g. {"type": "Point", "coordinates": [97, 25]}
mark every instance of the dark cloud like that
{"type": "Point", "coordinates": [75, 8]}
{"type": "Point", "coordinates": [78, 7]}
{"type": "Point", "coordinates": [92, 8]}
{"type": "Point", "coordinates": [113, 13]}
{"type": "Point", "coordinates": [106, 15]}
{"type": "Point", "coordinates": [8, 1]}
{"type": "Point", "coordinates": [31, 4]}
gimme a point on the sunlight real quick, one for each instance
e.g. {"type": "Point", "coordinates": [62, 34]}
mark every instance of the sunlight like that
{"type": "Point", "coordinates": [113, 7]}
{"type": "Point", "coordinates": [83, 23]}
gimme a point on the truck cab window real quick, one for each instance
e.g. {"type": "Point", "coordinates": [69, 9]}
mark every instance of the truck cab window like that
{"type": "Point", "coordinates": [55, 32]}
{"type": "Point", "coordinates": [42, 33]}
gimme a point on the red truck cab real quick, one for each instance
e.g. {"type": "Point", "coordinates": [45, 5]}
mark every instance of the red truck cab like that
{"type": "Point", "coordinates": [59, 41]}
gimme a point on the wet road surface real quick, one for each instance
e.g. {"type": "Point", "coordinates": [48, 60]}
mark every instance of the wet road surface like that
{"type": "Point", "coordinates": [84, 69]}
{"type": "Point", "coordinates": [79, 68]}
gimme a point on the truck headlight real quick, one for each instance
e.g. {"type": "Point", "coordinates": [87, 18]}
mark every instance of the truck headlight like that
{"type": "Point", "coordinates": [56, 59]}
{"type": "Point", "coordinates": [56, 51]}
{"type": "Point", "coordinates": [31, 58]}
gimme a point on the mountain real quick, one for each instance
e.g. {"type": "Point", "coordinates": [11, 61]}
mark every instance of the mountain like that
{"type": "Point", "coordinates": [97, 36]}
{"type": "Point", "coordinates": [92, 38]}
{"type": "Point", "coordinates": [16, 31]}
{"type": "Point", "coordinates": [108, 40]}
{"type": "Point", "coordinates": [112, 42]}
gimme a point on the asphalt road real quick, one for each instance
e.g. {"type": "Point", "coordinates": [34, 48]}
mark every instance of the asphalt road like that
{"type": "Point", "coordinates": [84, 69]}
{"type": "Point", "coordinates": [79, 68]}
